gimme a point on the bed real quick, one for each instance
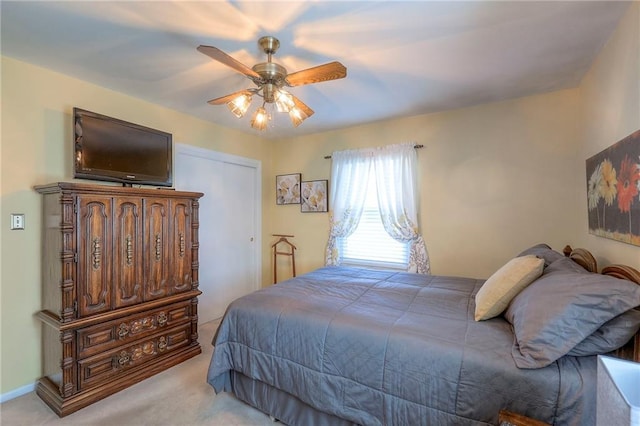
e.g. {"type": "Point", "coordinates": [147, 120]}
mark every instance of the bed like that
{"type": "Point", "coordinates": [344, 345]}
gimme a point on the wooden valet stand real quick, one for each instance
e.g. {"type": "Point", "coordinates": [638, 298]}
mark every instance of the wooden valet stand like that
{"type": "Point", "coordinates": [289, 252]}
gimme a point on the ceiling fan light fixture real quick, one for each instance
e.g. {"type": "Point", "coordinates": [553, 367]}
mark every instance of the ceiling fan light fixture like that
{"type": "Point", "coordinates": [297, 116]}
{"type": "Point", "coordinates": [260, 118]}
{"type": "Point", "coordinates": [270, 77]}
{"type": "Point", "coordinates": [239, 106]}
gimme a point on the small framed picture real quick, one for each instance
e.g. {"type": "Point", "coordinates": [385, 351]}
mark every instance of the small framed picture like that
{"type": "Point", "coordinates": [314, 196]}
{"type": "Point", "coordinates": [288, 189]}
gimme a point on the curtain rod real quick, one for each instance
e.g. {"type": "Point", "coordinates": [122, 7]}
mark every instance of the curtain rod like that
{"type": "Point", "coordinates": [328, 157]}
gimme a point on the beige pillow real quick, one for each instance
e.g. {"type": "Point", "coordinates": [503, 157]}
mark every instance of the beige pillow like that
{"type": "Point", "coordinates": [505, 284]}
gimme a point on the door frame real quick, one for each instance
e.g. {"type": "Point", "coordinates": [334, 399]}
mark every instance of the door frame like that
{"type": "Point", "coordinates": [240, 161]}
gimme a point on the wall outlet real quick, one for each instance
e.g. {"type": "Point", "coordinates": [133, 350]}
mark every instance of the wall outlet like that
{"type": "Point", "coordinates": [17, 221]}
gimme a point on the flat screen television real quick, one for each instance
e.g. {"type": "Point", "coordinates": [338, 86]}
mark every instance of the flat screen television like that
{"type": "Point", "coordinates": [114, 150]}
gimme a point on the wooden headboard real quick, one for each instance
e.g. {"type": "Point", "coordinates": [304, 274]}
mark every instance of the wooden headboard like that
{"type": "Point", "coordinates": [584, 258]}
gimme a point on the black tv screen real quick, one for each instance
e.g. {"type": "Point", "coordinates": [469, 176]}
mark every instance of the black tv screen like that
{"type": "Point", "coordinates": [114, 150]}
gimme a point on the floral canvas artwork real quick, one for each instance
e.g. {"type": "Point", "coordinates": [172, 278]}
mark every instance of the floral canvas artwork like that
{"type": "Point", "coordinates": [613, 191]}
{"type": "Point", "coordinates": [314, 196]}
{"type": "Point", "coordinates": [288, 189]}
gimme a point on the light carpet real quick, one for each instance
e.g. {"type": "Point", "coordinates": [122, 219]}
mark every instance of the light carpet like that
{"type": "Point", "coordinates": [177, 396]}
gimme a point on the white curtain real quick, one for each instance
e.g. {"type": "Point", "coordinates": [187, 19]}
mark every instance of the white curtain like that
{"type": "Point", "coordinates": [347, 192]}
{"type": "Point", "coordinates": [395, 170]}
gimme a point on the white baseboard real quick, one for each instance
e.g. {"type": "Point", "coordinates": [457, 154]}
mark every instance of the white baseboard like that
{"type": "Point", "coordinates": [17, 392]}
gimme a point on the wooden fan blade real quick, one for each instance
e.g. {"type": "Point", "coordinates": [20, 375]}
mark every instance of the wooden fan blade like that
{"type": "Point", "coordinates": [302, 106]}
{"type": "Point", "coordinates": [228, 98]}
{"type": "Point", "coordinates": [326, 72]}
{"type": "Point", "coordinates": [220, 56]}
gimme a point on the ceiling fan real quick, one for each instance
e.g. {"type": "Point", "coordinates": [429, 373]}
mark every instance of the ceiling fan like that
{"type": "Point", "coordinates": [271, 80]}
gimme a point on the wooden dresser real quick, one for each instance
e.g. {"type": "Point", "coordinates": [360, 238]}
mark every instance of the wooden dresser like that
{"type": "Point", "coordinates": [119, 288]}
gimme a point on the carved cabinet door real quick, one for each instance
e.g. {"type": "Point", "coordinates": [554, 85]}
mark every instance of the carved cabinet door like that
{"type": "Point", "coordinates": [94, 254]}
{"type": "Point", "coordinates": [180, 246]}
{"type": "Point", "coordinates": [127, 251]}
{"type": "Point", "coordinates": [156, 244]}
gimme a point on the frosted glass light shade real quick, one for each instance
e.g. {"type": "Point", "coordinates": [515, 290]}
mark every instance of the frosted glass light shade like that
{"type": "Point", "coordinates": [260, 118]}
{"type": "Point", "coordinates": [284, 101]}
{"type": "Point", "coordinates": [239, 105]}
{"type": "Point", "coordinates": [297, 116]}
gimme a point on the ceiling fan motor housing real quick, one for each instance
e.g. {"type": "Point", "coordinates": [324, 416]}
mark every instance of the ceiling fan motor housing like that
{"type": "Point", "coordinates": [272, 77]}
{"type": "Point", "coordinates": [270, 71]}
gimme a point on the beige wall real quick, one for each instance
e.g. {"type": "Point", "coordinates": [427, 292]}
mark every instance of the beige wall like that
{"type": "Point", "coordinates": [611, 111]}
{"type": "Point", "coordinates": [37, 148]}
{"type": "Point", "coordinates": [495, 178]}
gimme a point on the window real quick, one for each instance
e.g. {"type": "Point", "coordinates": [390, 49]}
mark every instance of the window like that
{"type": "Point", "coordinates": [357, 236]}
{"type": "Point", "coordinates": [370, 245]}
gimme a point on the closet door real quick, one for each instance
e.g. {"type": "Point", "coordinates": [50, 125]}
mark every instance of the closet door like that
{"type": "Point", "coordinates": [239, 244]}
{"type": "Point", "coordinates": [230, 218]}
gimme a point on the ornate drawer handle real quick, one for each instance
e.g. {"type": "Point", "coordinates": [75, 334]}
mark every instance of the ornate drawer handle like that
{"type": "Point", "coordinates": [122, 359]}
{"type": "Point", "coordinates": [123, 330]}
{"type": "Point", "coordinates": [96, 253]}
{"type": "Point", "coordinates": [129, 251]}
{"type": "Point", "coordinates": [162, 344]}
{"type": "Point", "coordinates": [181, 244]}
{"type": "Point", "coordinates": [158, 251]}
{"type": "Point", "coordinates": [162, 319]}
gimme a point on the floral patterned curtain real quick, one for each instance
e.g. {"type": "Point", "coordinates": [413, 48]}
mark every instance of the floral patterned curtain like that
{"type": "Point", "coordinates": [349, 177]}
{"type": "Point", "coordinates": [395, 171]}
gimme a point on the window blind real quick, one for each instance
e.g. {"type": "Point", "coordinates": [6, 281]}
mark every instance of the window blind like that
{"type": "Point", "coordinates": [370, 244]}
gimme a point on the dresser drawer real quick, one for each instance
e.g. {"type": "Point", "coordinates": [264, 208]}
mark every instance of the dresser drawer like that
{"type": "Point", "coordinates": [99, 338]}
{"type": "Point", "coordinates": [112, 364]}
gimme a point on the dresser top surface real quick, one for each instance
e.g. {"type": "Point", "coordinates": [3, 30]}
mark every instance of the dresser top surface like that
{"type": "Point", "coordinates": [85, 188]}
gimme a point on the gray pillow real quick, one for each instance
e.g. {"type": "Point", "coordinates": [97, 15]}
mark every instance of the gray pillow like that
{"type": "Point", "coordinates": [561, 308]}
{"type": "Point", "coordinates": [543, 251]}
{"type": "Point", "coordinates": [612, 335]}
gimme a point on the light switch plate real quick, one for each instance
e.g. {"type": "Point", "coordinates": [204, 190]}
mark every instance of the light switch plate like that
{"type": "Point", "coordinates": [17, 221]}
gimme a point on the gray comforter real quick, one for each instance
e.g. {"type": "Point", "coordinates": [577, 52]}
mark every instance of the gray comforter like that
{"type": "Point", "coordinates": [385, 348]}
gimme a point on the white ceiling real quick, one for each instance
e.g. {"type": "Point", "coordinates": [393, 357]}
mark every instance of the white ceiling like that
{"type": "Point", "coordinates": [402, 58]}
